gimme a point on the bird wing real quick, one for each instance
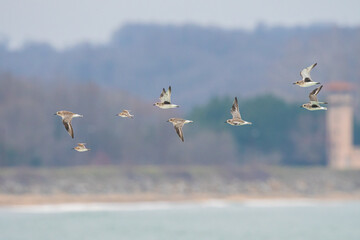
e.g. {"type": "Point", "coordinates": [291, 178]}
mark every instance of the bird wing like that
{"type": "Point", "coordinates": [315, 104]}
{"type": "Point", "coordinates": [81, 145]}
{"type": "Point", "coordinates": [235, 109]}
{"type": "Point", "coordinates": [68, 127]}
{"type": "Point", "coordinates": [67, 114]}
{"type": "Point", "coordinates": [165, 96]}
{"type": "Point", "coordinates": [178, 129]}
{"type": "Point", "coordinates": [314, 93]}
{"type": "Point", "coordinates": [305, 73]}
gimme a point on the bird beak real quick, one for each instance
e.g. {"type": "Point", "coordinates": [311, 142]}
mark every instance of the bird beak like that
{"type": "Point", "coordinates": [55, 114]}
{"type": "Point", "coordinates": [294, 83]}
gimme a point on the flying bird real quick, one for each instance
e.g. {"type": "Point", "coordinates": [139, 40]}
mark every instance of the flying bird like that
{"type": "Point", "coordinates": [178, 124]}
{"type": "Point", "coordinates": [236, 120]}
{"type": "Point", "coordinates": [125, 114]}
{"type": "Point", "coordinates": [165, 100]}
{"type": "Point", "coordinates": [66, 117]}
{"type": "Point", "coordinates": [81, 147]}
{"type": "Point", "coordinates": [306, 78]}
{"type": "Point", "coordinates": [314, 104]}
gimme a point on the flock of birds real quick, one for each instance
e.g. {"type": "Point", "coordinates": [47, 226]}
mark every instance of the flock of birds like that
{"type": "Point", "coordinates": [306, 81]}
{"type": "Point", "coordinates": [178, 123]}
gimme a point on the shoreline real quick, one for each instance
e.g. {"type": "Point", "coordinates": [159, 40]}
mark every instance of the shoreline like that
{"type": "Point", "coordinates": [170, 184]}
{"type": "Point", "coordinates": [60, 199]}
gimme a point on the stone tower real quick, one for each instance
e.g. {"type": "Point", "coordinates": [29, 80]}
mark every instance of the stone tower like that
{"type": "Point", "coordinates": [340, 127]}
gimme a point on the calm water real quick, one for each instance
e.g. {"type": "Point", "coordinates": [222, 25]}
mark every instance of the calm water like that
{"type": "Point", "coordinates": [276, 220]}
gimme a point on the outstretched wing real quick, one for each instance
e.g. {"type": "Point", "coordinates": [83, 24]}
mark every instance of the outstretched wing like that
{"type": "Point", "coordinates": [165, 96]}
{"type": "Point", "coordinates": [68, 127]}
{"type": "Point", "coordinates": [126, 112]}
{"type": "Point", "coordinates": [235, 109]}
{"type": "Point", "coordinates": [305, 73]}
{"type": "Point", "coordinates": [178, 129]}
{"type": "Point", "coordinates": [314, 93]}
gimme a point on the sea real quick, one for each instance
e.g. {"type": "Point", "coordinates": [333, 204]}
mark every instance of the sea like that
{"type": "Point", "coordinates": [209, 220]}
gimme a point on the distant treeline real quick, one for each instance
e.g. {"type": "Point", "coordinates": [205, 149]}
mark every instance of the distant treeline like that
{"type": "Point", "coordinates": [281, 132]}
{"type": "Point", "coordinates": [198, 62]}
{"type": "Point", "coordinates": [31, 135]}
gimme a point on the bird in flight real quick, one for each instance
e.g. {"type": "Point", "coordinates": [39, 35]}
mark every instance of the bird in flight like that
{"type": "Point", "coordinates": [306, 78]}
{"type": "Point", "coordinates": [165, 100]}
{"type": "Point", "coordinates": [178, 124]}
{"type": "Point", "coordinates": [314, 104]}
{"type": "Point", "coordinates": [66, 117]}
{"type": "Point", "coordinates": [81, 147]}
{"type": "Point", "coordinates": [125, 114]}
{"type": "Point", "coordinates": [236, 120]}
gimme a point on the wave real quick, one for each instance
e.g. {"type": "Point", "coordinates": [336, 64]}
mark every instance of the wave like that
{"type": "Point", "coordinates": [163, 206]}
{"type": "Point", "coordinates": [112, 207]}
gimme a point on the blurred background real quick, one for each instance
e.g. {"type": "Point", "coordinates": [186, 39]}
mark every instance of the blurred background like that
{"type": "Point", "coordinates": [97, 58]}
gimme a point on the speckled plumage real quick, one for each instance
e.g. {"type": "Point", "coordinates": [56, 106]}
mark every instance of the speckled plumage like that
{"type": "Point", "coordinates": [178, 124]}
{"type": "Point", "coordinates": [236, 120]}
{"type": "Point", "coordinates": [66, 117]}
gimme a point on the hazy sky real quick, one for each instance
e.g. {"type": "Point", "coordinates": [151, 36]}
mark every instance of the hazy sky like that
{"type": "Point", "coordinates": [64, 23]}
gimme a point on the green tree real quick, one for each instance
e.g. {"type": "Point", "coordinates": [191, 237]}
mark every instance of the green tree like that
{"type": "Point", "coordinates": [356, 132]}
{"type": "Point", "coordinates": [277, 126]}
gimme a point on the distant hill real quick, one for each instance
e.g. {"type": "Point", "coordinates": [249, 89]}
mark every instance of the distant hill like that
{"type": "Point", "coordinates": [198, 62]}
